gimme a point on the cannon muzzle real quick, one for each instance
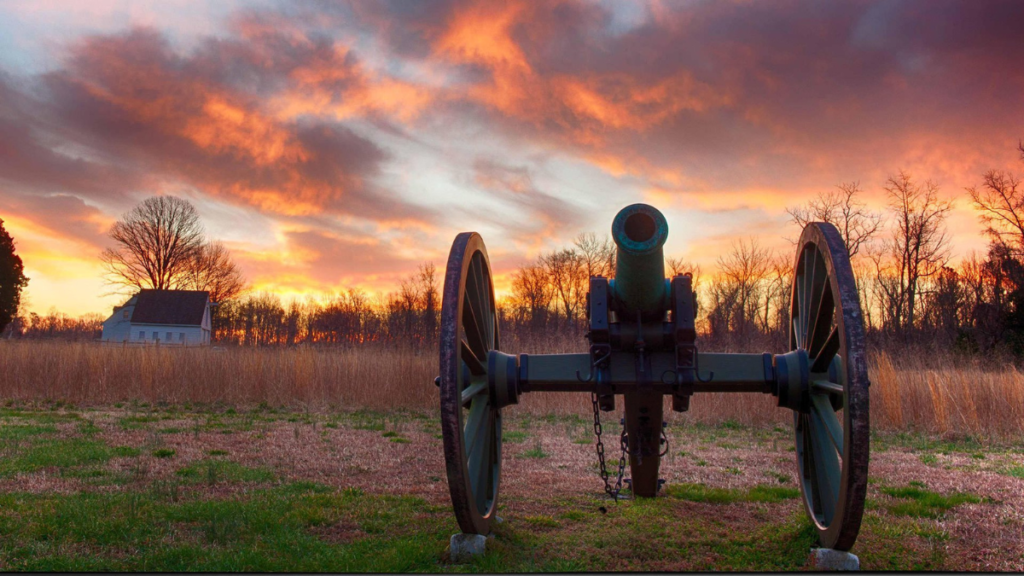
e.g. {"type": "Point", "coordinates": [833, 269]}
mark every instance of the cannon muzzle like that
{"type": "Point", "coordinates": [640, 232]}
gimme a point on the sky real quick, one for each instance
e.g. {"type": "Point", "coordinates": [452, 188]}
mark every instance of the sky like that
{"type": "Point", "coordinates": [341, 145]}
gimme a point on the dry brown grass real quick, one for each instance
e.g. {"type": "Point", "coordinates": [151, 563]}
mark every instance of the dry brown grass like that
{"type": "Point", "coordinates": [940, 396]}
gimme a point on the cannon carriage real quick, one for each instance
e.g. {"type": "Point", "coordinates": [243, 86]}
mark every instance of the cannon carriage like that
{"type": "Point", "coordinates": [643, 346]}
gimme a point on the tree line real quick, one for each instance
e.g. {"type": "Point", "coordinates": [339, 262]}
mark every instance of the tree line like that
{"type": "Point", "coordinates": [909, 289]}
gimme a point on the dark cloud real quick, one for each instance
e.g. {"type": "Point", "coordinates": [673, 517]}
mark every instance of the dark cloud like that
{"type": "Point", "coordinates": [201, 120]}
{"type": "Point", "coordinates": [61, 215]}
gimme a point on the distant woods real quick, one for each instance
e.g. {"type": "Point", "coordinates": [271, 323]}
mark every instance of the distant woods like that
{"type": "Point", "coordinates": [161, 244]}
{"type": "Point", "coordinates": [911, 292]}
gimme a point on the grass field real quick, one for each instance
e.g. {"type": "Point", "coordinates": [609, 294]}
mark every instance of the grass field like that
{"type": "Point", "coordinates": [909, 392]}
{"type": "Point", "coordinates": [210, 487]}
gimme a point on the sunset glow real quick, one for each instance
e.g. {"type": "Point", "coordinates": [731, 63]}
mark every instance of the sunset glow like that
{"type": "Point", "coordinates": [337, 146]}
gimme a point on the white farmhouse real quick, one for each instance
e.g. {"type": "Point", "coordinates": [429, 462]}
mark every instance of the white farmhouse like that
{"type": "Point", "coordinates": [167, 317]}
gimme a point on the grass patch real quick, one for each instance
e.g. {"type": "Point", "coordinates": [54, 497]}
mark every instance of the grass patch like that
{"type": "Point", "coordinates": [164, 453]}
{"type": "Point", "coordinates": [921, 503]}
{"type": "Point", "coordinates": [288, 529]}
{"type": "Point", "coordinates": [1016, 472]}
{"type": "Point", "coordinates": [136, 422]}
{"type": "Point", "coordinates": [214, 471]}
{"type": "Point", "coordinates": [703, 493]}
{"type": "Point", "coordinates": [542, 521]}
{"type": "Point", "coordinates": [514, 436]}
{"type": "Point", "coordinates": [54, 453]}
{"type": "Point", "coordinates": [536, 452]}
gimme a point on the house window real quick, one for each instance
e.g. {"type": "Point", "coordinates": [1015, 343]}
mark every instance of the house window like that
{"type": "Point", "coordinates": [169, 337]}
{"type": "Point", "coordinates": [156, 335]}
{"type": "Point", "coordinates": [181, 337]}
{"type": "Point", "coordinates": [142, 334]}
{"type": "Point", "coordinates": [124, 314]}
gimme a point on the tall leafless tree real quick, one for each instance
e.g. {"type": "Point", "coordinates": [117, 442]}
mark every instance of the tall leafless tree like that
{"type": "Point", "coordinates": [210, 268]}
{"type": "Point", "coordinates": [427, 280]}
{"type": "Point", "coordinates": [843, 209]}
{"type": "Point", "coordinates": [598, 255]}
{"type": "Point", "coordinates": [675, 266]}
{"type": "Point", "coordinates": [156, 241]}
{"type": "Point", "coordinates": [566, 273]}
{"type": "Point", "coordinates": [531, 295]}
{"type": "Point", "coordinates": [917, 249]}
{"type": "Point", "coordinates": [1000, 200]}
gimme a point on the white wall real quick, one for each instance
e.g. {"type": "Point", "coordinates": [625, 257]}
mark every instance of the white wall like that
{"type": "Point", "coordinates": [115, 328]}
{"type": "Point", "coordinates": [193, 335]}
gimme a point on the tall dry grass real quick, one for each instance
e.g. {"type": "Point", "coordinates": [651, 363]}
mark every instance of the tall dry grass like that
{"type": "Point", "coordinates": [930, 394]}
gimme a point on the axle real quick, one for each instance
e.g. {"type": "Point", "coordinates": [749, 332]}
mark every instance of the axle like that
{"type": "Point", "coordinates": [786, 376]}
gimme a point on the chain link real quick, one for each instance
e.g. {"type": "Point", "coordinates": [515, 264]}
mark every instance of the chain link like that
{"type": "Point", "coordinates": [623, 444]}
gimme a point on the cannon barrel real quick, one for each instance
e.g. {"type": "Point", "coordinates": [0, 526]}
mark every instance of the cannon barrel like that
{"type": "Point", "coordinates": [639, 232]}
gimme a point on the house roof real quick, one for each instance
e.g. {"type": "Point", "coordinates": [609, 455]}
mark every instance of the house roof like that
{"type": "Point", "coordinates": [180, 307]}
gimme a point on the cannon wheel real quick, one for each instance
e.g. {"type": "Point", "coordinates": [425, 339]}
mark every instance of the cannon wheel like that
{"type": "Point", "coordinates": [470, 425]}
{"type": "Point", "coordinates": [832, 427]}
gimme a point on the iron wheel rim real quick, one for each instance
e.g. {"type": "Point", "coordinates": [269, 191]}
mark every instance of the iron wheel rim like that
{"type": "Point", "coordinates": [827, 322]}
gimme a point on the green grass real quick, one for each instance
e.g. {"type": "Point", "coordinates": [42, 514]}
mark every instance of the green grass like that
{"type": "Point", "coordinates": [278, 529]}
{"type": "Point", "coordinates": [164, 453]}
{"type": "Point", "coordinates": [514, 436]}
{"type": "Point", "coordinates": [536, 452]}
{"type": "Point", "coordinates": [127, 513]}
{"type": "Point", "coordinates": [918, 502]}
{"type": "Point", "coordinates": [713, 495]}
{"type": "Point", "coordinates": [62, 453]}
{"type": "Point", "coordinates": [214, 471]}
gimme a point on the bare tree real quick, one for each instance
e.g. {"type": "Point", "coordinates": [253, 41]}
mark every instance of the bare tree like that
{"type": "Point", "coordinates": [566, 270]}
{"type": "Point", "coordinates": [677, 266]}
{"type": "Point", "coordinates": [744, 287]}
{"type": "Point", "coordinates": [842, 209]}
{"type": "Point", "coordinates": [532, 294]}
{"type": "Point", "coordinates": [917, 249]}
{"type": "Point", "coordinates": [427, 279]}
{"type": "Point", "coordinates": [210, 268]}
{"type": "Point", "coordinates": [1000, 199]}
{"type": "Point", "coordinates": [156, 241]}
{"type": "Point", "coordinates": [598, 255]}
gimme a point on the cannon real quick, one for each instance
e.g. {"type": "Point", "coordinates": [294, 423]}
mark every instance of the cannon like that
{"type": "Point", "coordinates": [643, 346]}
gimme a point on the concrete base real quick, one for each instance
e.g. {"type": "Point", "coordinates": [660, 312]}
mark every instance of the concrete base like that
{"type": "Point", "coordinates": [464, 546]}
{"type": "Point", "coordinates": [833, 560]}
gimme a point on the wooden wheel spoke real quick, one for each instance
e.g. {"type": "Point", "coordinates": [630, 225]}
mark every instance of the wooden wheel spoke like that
{"type": "Point", "coordinates": [483, 305]}
{"type": "Point", "coordinates": [480, 466]}
{"type": "Point", "coordinates": [827, 387]}
{"type": "Point", "coordinates": [810, 293]}
{"type": "Point", "coordinates": [477, 367]}
{"type": "Point", "coordinates": [826, 418]}
{"type": "Point", "coordinates": [828, 351]}
{"type": "Point", "coordinates": [827, 472]}
{"type": "Point", "coordinates": [479, 415]}
{"type": "Point", "coordinates": [801, 296]}
{"type": "Point", "coordinates": [474, 332]}
{"type": "Point", "coordinates": [822, 323]}
{"type": "Point", "coordinates": [469, 393]}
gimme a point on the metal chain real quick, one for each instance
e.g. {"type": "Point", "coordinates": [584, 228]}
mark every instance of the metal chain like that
{"type": "Point", "coordinates": [623, 444]}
